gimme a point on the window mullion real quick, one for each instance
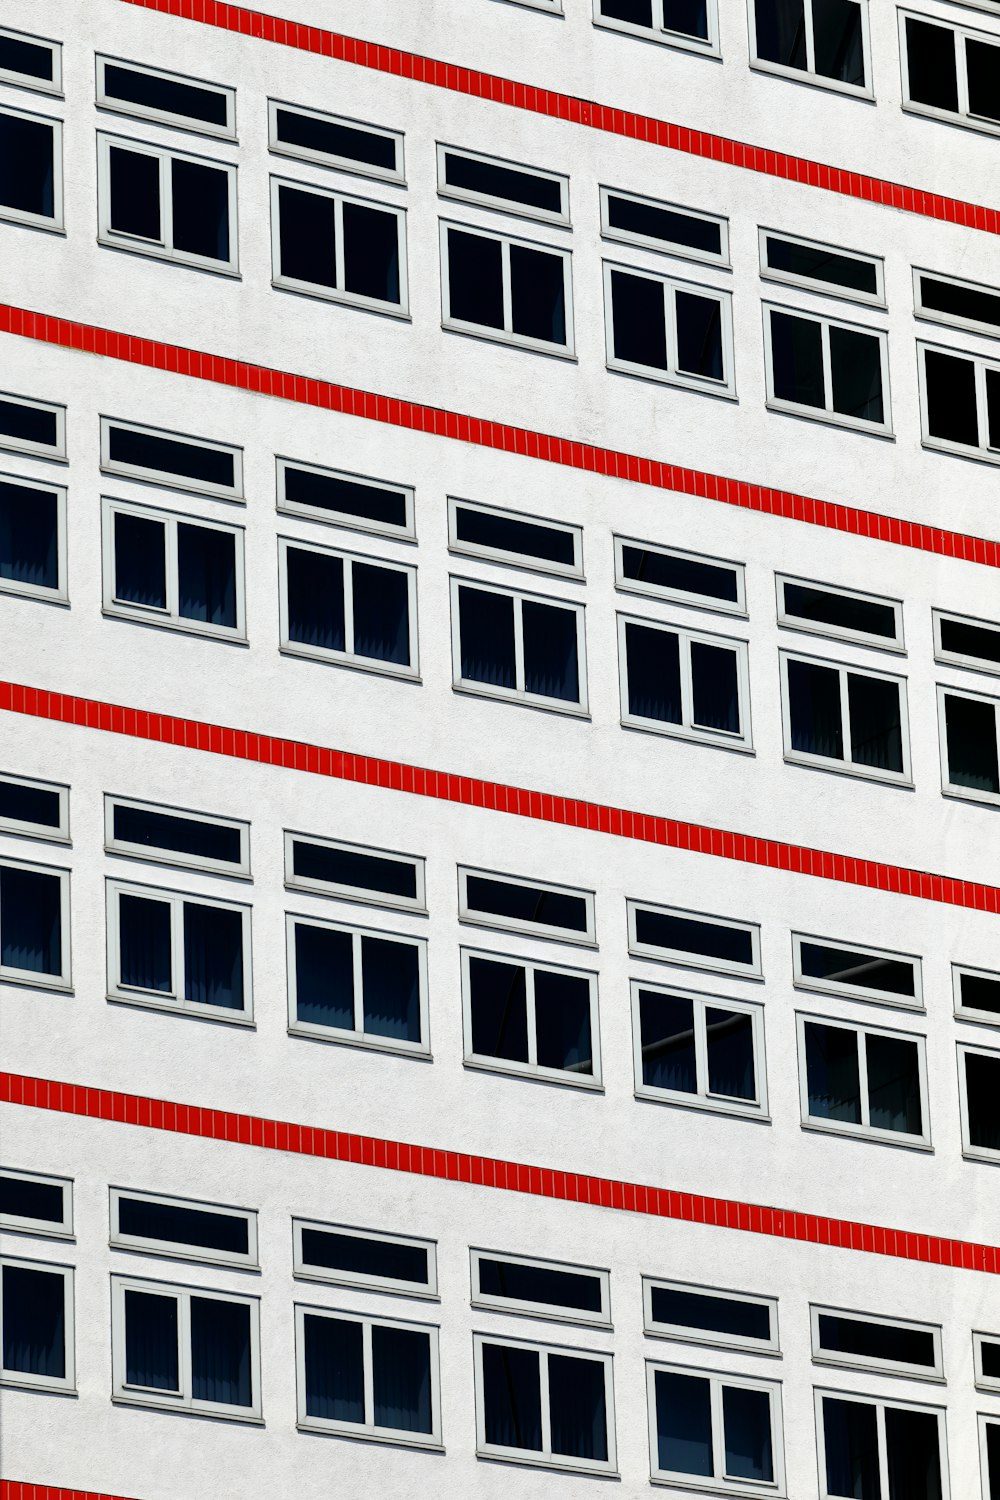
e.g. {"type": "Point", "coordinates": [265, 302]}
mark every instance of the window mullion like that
{"type": "Point", "coordinates": [347, 568]}
{"type": "Point", "coordinates": [178, 978]}
{"type": "Point", "coordinates": [508, 300]}
{"type": "Point", "coordinates": [166, 202]}
{"type": "Point", "coordinates": [982, 410]}
{"type": "Point", "coordinates": [170, 545]}
{"type": "Point", "coordinates": [827, 362]}
{"type": "Point", "coordinates": [338, 243]}
{"type": "Point", "coordinates": [369, 1372]}
{"type": "Point", "coordinates": [529, 992]}
{"type": "Point", "coordinates": [862, 1041]}
{"type": "Point", "coordinates": [807, 11]}
{"type": "Point", "coordinates": [718, 1435]}
{"type": "Point", "coordinates": [845, 716]}
{"type": "Point", "coordinates": [543, 1383]}
{"type": "Point", "coordinates": [687, 680]}
{"type": "Point", "coordinates": [962, 73]}
{"type": "Point", "coordinates": [358, 971]}
{"type": "Point", "coordinates": [883, 1449]}
{"type": "Point", "coordinates": [670, 326]}
{"type": "Point", "coordinates": [184, 1351]}
{"type": "Point", "coordinates": [700, 1046]}
{"type": "Point", "coordinates": [518, 643]}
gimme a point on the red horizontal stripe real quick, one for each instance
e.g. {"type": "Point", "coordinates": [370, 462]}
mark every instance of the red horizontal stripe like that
{"type": "Point", "coordinates": [606, 117]}
{"type": "Point", "coordinates": [495, 796]}
{"type": "Point", "coordinates": [23, 1489]}
{"type": "Point", "coordinates": [483, 433]}
{"type": "Point", "coordinates": [493, 1172]}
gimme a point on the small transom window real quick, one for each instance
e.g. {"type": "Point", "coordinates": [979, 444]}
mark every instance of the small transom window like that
{"type": "Point", "coordinates": [963, 642]}
{"type": "Point", "coordinates": [30, 61]}
{"type": "Point", "coordinates": [806, 263]}
{"type": "Point", "coordinates": [500, 184]}
{"type": "Point", "coordinates": [345, 1256]}
{"type": "Point", "coordinates": [150, 93]}
{"type": "Point", "coordinates": [541, 1288]}
{"type": "Point", "coordinates": [37, 427]}
{"type": "Point", "coordinates": [511, 537]}
{"type": "Point", "coordinates": [664, 572]}
{"type": "Point", "coordinates": [36, 1203]}
{"type": "Point", "coordinates": [977, 994]}
{"type": "Point", "coordinates": [707, 1315]}
{"type": "Point", "coordinates": [693, 938]}
{"type": "Point", "coordinates": [664, 226]}
{"type": "Point", "coordinates": [843, 613]}
{"type": "Point", "coordinates": [867, 1342]}
{"type": "Point", "coordinates": [184, 1229]}
{"type": "Point", "coordinates": [856, 972]}
{"type": "Point", "coordinates": [181, 462]}
{"type": "Point", "coordinates": [344, 499]}
{"type": "Point", "coordinates": [354, 871]}
{"type": "Point", "coordinates": [963, 304]}
{"type": "Point", "coordinates": [176, 838]}
{"type": "Point", "coordinates": [37, 808]}
{"type": "Point", "coordinates": [525, 906]}
{"type": "Point", "coordinates": [351, 145]}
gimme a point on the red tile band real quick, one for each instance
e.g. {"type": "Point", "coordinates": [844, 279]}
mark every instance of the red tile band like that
{"type": "Point", "coordinates": [23, 1489]}
{"type": "Point", "coordinates": [606, 117]}
{"type": "Point", "coordinates": [495, 796]}
{"type": "Point", "coordinates": [483, 433]}
{"type": "Point", "coordinates": [493, 1172]}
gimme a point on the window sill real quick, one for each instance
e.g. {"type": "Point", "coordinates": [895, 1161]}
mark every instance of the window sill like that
{"type": "Point", "coordinates": [682, 1336]}
{"type": "Point", "coordinates": [981, 1155]}
{"type": "Point", "coordinates": [16, 449]}
{"type": "Point", "coordinates": [691, 961]}
{"type": "Point", "coordinates": [676, 40]}
{"type": "Point", "coordinates": [862, 997]}
{"type": "Point", "coordinates": [823, 288]}
{"type": "Point", "coordinates": [960, 450]}
{"type": "Point", "coordinates": [166, 121]}
{"type": "Point", "coordinates": [861, 92]}
{"type": "Point", "coordinates": [248, 1419]}
{"type": "Point", "coordinates": [691, 736]}
{"type": "Point", "coordinates": [560, 1465]}
{"type": "Point", "coordinates": [360, 1041]}
{"type": "Point", "coordinates": [585, 1081]}
{"type": "Point", "coordinates": [830, 419]}
{"type": "Point", "coordinates": [869, 1137]}
{"type": "Point", "coordinates": [717, 388]}
{"type": "Point", "coordinates": [510, 340]}
{"type": "Point", "coordinates": [399, 312]}
{"type": "Point", "coordinates": [952, 117]}
{"type": "Point", "coordinates": [840, 768]}
{"type": "Point", "coordinates": [353, 664]}
{"type": "Point", "coordinates": [716, 1487]}
{"type": "Point", "coordinates": [25, 979]}
{"type": "Point", "coordinates": [216, 1013]}
{"type": "Point", "coordinates": [540, 1314]}
{"type": "Point", "coordinates": [400, 1440]}
{"type": "Point", "coordinates": [230, 271]}
{"type": "Point", "coordinates": [704, 1106]}
{"type": "Point", "coordinates": [38, 1386]}
{"type": "Point", "coordinates": [21, 81]}
{"type": "Point", "coordinates": [330, 1279]}
{"type": "Point", "coordinates": [929, 1377]}
{"type": "Point", "coordinates": [389, 176]}
{"type": "Point", "coordinates": [31, 221]}
{"type": "Point", "coordinates": [38, 1232]}
{"type": "Point", "coordinates": [30, 591]}
{"type": "Point", "coordinates": [545, 705]}
{"type": "Point", "coordinates": [829, 633]}
{"type": "Point", "coordinates": [179, 627]}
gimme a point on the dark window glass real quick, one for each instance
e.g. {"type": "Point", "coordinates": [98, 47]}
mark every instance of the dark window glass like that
{"type": "Point", "coordinates": [324, 977]}
{"type": "Point", "coordinates": [30, 921]}
{"type": "Point", "coordinates": [526, 903]}
{"type": "Point", "coordinates": [815, 725]}
{"type": "Point", "coordinates": [401, 1379]}
{"type": "Point", "coordinates": [350, 867]}
{"type": "Point", "coordinates": [965, 639]}
{"type": "Point", "coordinates": [34, 1322]}
{"type": "Point", "coordinates": [135, 193]}
{"type": "Point", "coordinates": [821, 265]}
{"type": "Point", "coordinates": [837, 37]}
{"type": "Point", "coordinates": [982, 63]}
{"type": "Point", "coordinates": [907, 1346]}
{"type": "Point", "coordinates": [689, 17]}
{"type": "Point", "coordinates": [685, 574]}
{"type": "Point", "coordinates": [746, 1422]}
{"type": "Point", "coordinates": [699, 335]}
{"type": "Point", "coordinates": [562, 1022]}
{"type": "Point", "coordinates": [358, 1256]}
{"type": "Point", "coordinates": [475, 279]}
{"type": "Point", "coordinates": [381, 613]}
{"type": "Point", "coordinates": [851, 1434]}
{"type": "Point", "coordinates": [507, 534]}
{"type": "Point", "coordinates": [29, 424]}
{"type": "Point", "coordinates": [971, 733]}
{"type": "Point", "coordinates": [577, 1407]}
{"type": "Point", "coordinates": [635, 12]}
{"type": "Point", "coordinates": [797, 360]}
{"type": "Point", "coordinates": [666, 1035]}
{"type": "Point", "coordinates": [315, 599]}
{"type": "Point", "coordinates": [551, 668]}
{"type": "Point", "coordinates": [979, 992]}
{"type": "Point", "coordinates": [930, 57]}
{"type": "Point", "coordinates": [371, 253]}
{"type": "Point", "coordinates": [499, 1010]}
{"type": "Point", "coordinates": [29, 804]}
{"type": "Point", "coordinates": [700, 1310]}
{"type": "Point", "coordinates": [781, 32]}
{"type": "Point", "coordinates": [982, 1085]}
{"type": "Point", "coordinates": [185, 459]}
{"type": "Point", "coordinates": [206, 575]}
{"type": "Point", "coordinates": [951, 398]}
{"type": "Point", "coordinates": [960, 301]}
{"type": "Point", "coordinates": [991, 1365]}
{"type": "Point", "coordinates": [512, 1397]}
{"type": "Point", "coordinates": [306, 237]}
{"type": "Point", "coordinates": [18, 55]}
{"type": "Point", "coordinates": [654, 673]}
{"type": "Point", "coordinates": [495, 181]}
{"type": "Point", "coordinates": [542, 1284]}
{"type": "Point", "coordinates": [537, 294]}
{"type": "Point", "coordinates": [197, 1227]}
{"type": "Point", "coordinates": [683, 1423]}
{"type": "Point", "coordinates": [140, 561]}
{"type": "Point", "coordinates": [347, 497]}
{"type": "Point", "coordinates": [23, 1199]}
{"type": "Point", "coordinates": [715, 687]}
{"type": "Point", "coordinates": [894, 1084]}
{"type": "Point", "coordinates": [334, 1369]}
{"type": "Point", "coordinates": [832, 1074]}
{"type": "Point", "coordinates": [876, 722]}
{"type": "Point", "coordinates": [486, 633]}
{"type": "Point", "coordinates": [213, 956]}
{"type": "Point", "coordinates": [662, 929]}
{"type": "Point", "coordinates": [27, 165]}
{"type": "Point", "coordinates": [351, 142]}
{"type": "Point", "coordinates": [200, 208]}
{"type": "Point", "coordinates": [157, 830]}
{"type": "Point", "coordinates": [914, 1453]}
{"type": "Point", "coordinates": [664, 224]}
{"type": "Point", "coordinates": [390, 974]}
{"type": "Point", "coordinates": [639, 327]}
{"type": "Point", "coordinates": [856, 372]}
{"type": "Point", "coordinates": [144, 944]}
{"type": "Point", "coordinates": [151, 1353]}
{"type": "Point", "coordinates": [867, 971]}
{"type": "Point", "coordinates": [170, 95]}
{"type": "Point", "coordinates": [993, 1458]}
{"type": "Point", "coordinates": [729, 1040]}
{"type": "Point", "coordinates": [825, 607]}
{"type": "Point", "coordinates": [220, 1351]}
{"type": "Point", "coordinates": [29, 536]}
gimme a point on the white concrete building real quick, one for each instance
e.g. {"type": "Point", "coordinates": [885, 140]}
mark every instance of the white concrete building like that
{"type": "Point", "coordinates": [499, 721]}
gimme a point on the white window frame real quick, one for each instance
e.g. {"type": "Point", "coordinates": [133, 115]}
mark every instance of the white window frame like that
{"type": "Point", "coordinates": [158, 855]}
{"type": "Point", "coordinates": [503, 205]}
{"type": "Point", "coordinates": [672, 375]}
{"type": "Point", "coordinates": [338, 293]}
{"type": "Point", "coordinates": [163, 478]}
{"type": "Point", "coordinates": [179, 1249]}
{"type": "Point", "coordinates": [738, 606]}
{"type": "Point", "coordinates": [506, 334]}
{"type": "Point", "coordinates": [953, 320]}
{"type": "Point", "coordinates": [846, 766]}
{"type": "Point", "coordinates": [532, 1068]}
{"type": "Point", "coordinates": [717, 1482]}
{"type": "Point", "coordinates": [357, 1036]}
{"type": "Point", "coordinates": [545, 1458]}
{"type": "Point", "coordinates": [365, 895]}
{"type": "Point", "coordinates": [183, 1400]}
{"type": "Point", "coordinates": [963, 116]}
{"type": "Point", "coordinates": [40, 831]}
{"type": "Point", "coordinates": [984, 1382]}
{"type": "Point", "coordinates": [60, 594]}
{"type": "Point", "coordinates": [553, 7]}
{"type": "Point", "coordinates": [11, 444]}
{"type": "Point", "coordinates": [108, 101]}
{"type": "Point", "coordinates": [367, 1431]}
{"type": "Point", "coordinates": [174, 1001]}
{"type": "Point", "coordinates": [821, 986]}
{"type": "Point", "coordinates": [863, 1130]}
{"type": "Point", "coordinates": [948, 787]}
{"type": "Point", "coordinates": [969, 1012]}
{"type": "Point", "coordinates": [304, 1270]}
{"type": "Point", "coordinates": [704, 1100]}
{"type": "Point", "coordinates": [545, 1310]}
{"type": "Point", "coordinates": [27, 80]}
{"type": "Point", "coordinates": [969, 1151]}
{"type": "Point", "coordinates": [658, 32]}
{"type": "Point", "coordinates": [519, 694]}
{"type": "Point", "coordinates": [986, 1420]}
{"type": "Point", "coordinates": [980, 362]}
{"type": "Point", "coordinates": [808, 74]}
{"type": "Point", "coordinates": [170, 618]}
{"type": "Point", "coordinates": [682, 956]}
{"type": "Point", "coordinates": [587, 938]}
{"type": "Point", "coordinates": [880, 1404]}
{"type": "Point", "coordinates": [952, 658]}
{"type": "Point", "coordinates": [163, 249]}
{"type": "Point", "coordinates": [347, 657]}
{"type": "Point", "coordinates": [31, 977]}
{"type": "Point", "coordinates": [722, 739]}
{"type": "Point", "coordinates": [55, 224]}
{"type": "Point", "coordinates": [328, 159]}
{"type": "Point", "coordinates": [515, 559]}
{"type": "Point", "coordinates": [847, 1361]}
{"type": "Point", "coordinates": [827, 414]}
{"type": "Point", "coordinates": [24, 1378]}
{"type": "Point", "coordinates": [709, 1337]}
{"type": "Point", "coordinates": [665, 247]}
{"type": "Point", "coordinates": [406, 532]}
{"type": "Point", "coordinates": [815, 283]}
{"type": "Point", "coordinates": [47, 1228]}
{"type": "Point", "coordinates": [894, 643]}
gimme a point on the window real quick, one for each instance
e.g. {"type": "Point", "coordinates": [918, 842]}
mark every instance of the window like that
{"type": "Point", "coordinates": [34, 924]}
{"type": "Point", "coordinates": [858, 1080]}
{"type": "Point", "coordinates": [856, 972]}
{"type": "Point", "coordinates": [365, 1258]}
{"type": "Point", "coordinates": [196, 841]}
{"type": "Point", "coordinates": [698, 1050]}
{"type": "Point", "coordinates": [664, 226]}
{"type": "Point", "coordinates": [177, 571]}
{"type": "Point", "coordinates": [541, 1288]}
{"type": "Point", "coordinates": [356, 611]}
{"type": "Point", "coordinates": [37, 808]}
{"type": "Point", "coordinates": [977, 994]}
{"type": "Point", "coordinates": [970, 741]}
{"type": "Point", "coordinates": [706, 1315]}
{"type": "Point", "coordinates": [950, 72]}
{"type": "Point", "coordinates": [354, 872]}
{"type": "Point", "coordinates": [185, 1348]}
{"type": "Point", "coordinates": [178, 461]}
{"type": "Point", "coordinates": [865, 1342]}
{"type": "Point", "coordinates": [684, 577]}
{"type": "Point", "coordinates": [179, 952]}
{"type": "Point", "coordinates": [989, 1450]}
{"type": "Point", "coordinates": [506, 289]}
{"type": "Point", "coordinates": [692, 938]}
{"type": "Point", "coordinates": [833, 372]}
{"type": "Point", "coordinates": [168, 204]}
{"type": "Point", "coordinates": [877, 1448]}
{"type": "Point", "coordinates": [510, 536]}
{"type": "Point", "coordinates": [822, 268]}
{"type": "Point", "coordinates": [367, 1377]}
{"type": "Point", "coordinates": [36, 1203]}
{"type": "Point", "coordinates": [32, 539]}
{"type": "Point", "coordinates": [844, 719]}
{"type": "Point", "coordinates": [816, 41]}
{"type": "Point", "coordinates": [31, 62]}
{"type": "Point", "coordinates": [474, 178]}
{"type": "Point", "coordinates": [715, 1431]}
{"type": "Point", "coordinates": [554, 911]}
{"type": "Point", "coordinates": [962, 304]}
{"type": "Point", "coordinates": [684, 683]}
{"type": "Point", "coordinates": [161, 1225]}
{"type": "Point", "coordinates": [30, 169]}
{"type": "Point", "coordinates": [986, 1352]}
{"type": "Point", "coordinates": [668, 330]}
{"type": "Point", "coordinates": [36, 427]}
{"type": "Point", "coordinates": [36, 1325]}
{"type": "Point", "coordinates": [345, 499]}
{"type": "Point", "coordinates": [347, 249]}
{"type": "Point", "coordinates": [691, 24]}
{"type": "Point", "coordinates": [845, 614]}
{"type": "Point", "coordinates": [349, 984]}
{"type": "Point", "coordinates": [524, 647]}
{"type": "Point", "coordinates": [959, 402]}
{"type": "Point", "coordinates": [350, 145]}
{"type": "Point", "coordinates": [963, 642]}
{"type": "Point", "coordinates": [168, 98]}
{"type": "Point", "coordinates": [544, 1405]}
{"type": "Point", "coordinates": [531, 1018]}
{"type": "Point", "coordinates": [979, 1089]}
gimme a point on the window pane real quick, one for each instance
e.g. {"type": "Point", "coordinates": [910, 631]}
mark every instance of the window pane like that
{"type": "Point", "coordinates": [550, 652]}
{"type": "Point", "coordinates": [993, 1458]}
{"type": "Point", "coordinates": [213, 956]}
{"type": "Point", "coordinates": [27, 149]}
{"type": "Point", "coordinates": [639, 328]}
{"type": "Point", "coordinates": [689, 17]}
{"type": "Point", "coordinates": [825, 607]}
{"type": "Point", "coordinates": [699, 335]}
{"type": "Point", "coordinates": [486, 634]}
{"type": "Point", "coordinates": [960, 301]}
{"type": "Point", "coordinates": [993, 408]}
{"type": "Point", "coordinates": [334, 492]}
{"type": "Point", "coordinates": [201, 209]}
{"type": "Point", "coordinates": [867, 971]}
{"type": "Point", "coordinates": [746, 1420]}
{"type": "Point", "coordinates": [635, 12]}
{"type": "Point", "coordinates": [306, 237]}
{"type": "Point", "coordinates": [508, 534]}
{"type": "Point", "coordinates": [526, 903]}
{"type": "Point", "coordinates": [982, 642]}
{"type": "Point", "coordinates": [982, 61]}
{"type": "Point", "coordinates": [167, 94]}
{"type": "Point", "coordinates": [350, 867]}
{"type": "Point", "coordinates": [715, 687]}
{"type": "Point", "coordinates": [832, 1075]}
{"type": "Point", "coordinates": [512, 1399]}
{"type": "Point", "coordinates": [334, 1370]}
{"type": "Point", "coordinates": [683, 1424]}
{"type": "Point", "coordinates": [391, 981]}
{"type": "Point", "coordinates": [206, 574]}
{"type": "Point", "coordinates": [186, 459]}
{"type": "Point", "coordinates": [335, 139]}
{"type": "Point", "coordinates": [654, 673]}
{"type": "Point", "coordinates": [29, 804]}
{"type": "Point", "coordinates": [34, 1322]}
{"type": "Point", "coordinates": [814, 710]}
{"type": "Point", "coordinates": [371, 253]}
{"type": "Point", "coordinates": [856, 371]}
{"type": "Point", "coordinates": [666, 1028]}
{"type": "Point", "coordinates": [220, 1351]}
{"type": "Point", "coordinates": [729, 1036]}
{"type": "Point", "coordinates": [894, 1084]}
{"type": "Point", "coordinates": [475, 279]}
{"type": "Point", "coordinates": [930, 54]}
{"type": "Point", "coordinates": [699, 1310]}
{"type": "Point", "coordinates": [537, 294]}
{"type": "Point", "coordinates": [18, 55]}
{"type": "Point", "coordinates": [781, 32]}
{"type": "Point", "coordinates": [22, 1199]}
{"type": "Point", "coordinates": [29, 536]}
{"type": "Point", "coordinates": [135, 194]}
{"type": "Point", "coordinates": [140, 561]}
{"type": "Point", "coordinates": [951, 398]}
{"type": "Point", "coordinates": [315, 599]}
{"type": "Point", "coordinates": [497, 181]}
{"type": "Point", "coordinates": [991, 1364]}
{"type": "Point", "coordinates": [156, 830]}
{"type": "Point", "coordinates": [851, 1431]}
{"type": "Point", "coordinates": [797, 356]}
{"type": "Point", "coordinates": [151, 1358]}
{"type": "Point", "coordinates": [819, 264]}
{"type": "Point", "coordinates": [177, 1225]}
{"type": "Point", "coordinates": [381, 613]}
{"type": "Point", "coordinates": [686, 575]}
{"type": "Point", "coordinates": [543, 1284]}
{"type": "Point", "coordinates": [914, 1454]}
{"type": "Point", "coordinates": [656, 223]}
{"type": "Point", "coordinates": [663, 929]}
{"type": "Point", "coordinates": [971, 732]}
{"type": "Point", "coordinates": [401, 1378]}
{"type": "Point", "coordinates": [498, 1003]}
{"type": "Point", "coordinates": [577, 1407]}
{"type": "Point", "coordinates": [979, 992]}
{"type": "Point", "coordinates": [876, 727]}
{"type": "Point", "coordinates": [144, 944]}
{"type": "Point", "coordinates": [324, 977]}
{"type": "Point", "coordinates": [908, 1346]}
{"type": "Point", "coordinates": [364, 1257]}
{"type": "Point", "coordinates": [30, 921]}
{"type": "Point", "coordinates": [838, 40]}
{"type": "Point", "coordinates": [982, 1082]}
{"type": "Point", "coordinates": [562, 1022]}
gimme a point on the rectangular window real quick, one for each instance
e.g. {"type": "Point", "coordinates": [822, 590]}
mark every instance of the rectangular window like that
{"type": "Point", "coordinates": [506, 289]}
{"type": "Point", "coordinates": [714, 1430]}
{"type": "Point", "coordinates": [845, 719]}
{"type": "Point", "coordinates": [822, 268]}
{"type": "Point", "coordinates": [864, 1341]}
{"type": "Point", "coordinates": [368, 1258]}
{"type": "Point", "coordinates": [698, 1050]}
{"type": "Point", "coordinates": [353, 984]}
{"type": "Point", "coordinates": [855, 972]}
{"type": "Point", "coordinates": [354, 872]}
{"type": "Point", "coordinates": [544, 1405]}
{"type": "Point", "coordinates": [857, 1080]}
{"type": "Point", "coordinates": [977, 994]}
{"type": "Point", "coordinates": [474, 178]}
{"type": "Point", "coordinates": [36, 427]}
{"type": "Point", "coordinates": [163, 1225]}
{"type": "Point", "coordinates": [185, 1348]}
{"type": "Point", "coordinates": [950, 72]}
{"type": "Point", "coordinates": [367, 1377]}
{"type": "Point", "coordinates": [817, 41]}
{"type": "Point", "coordinates": [706, 1315]}
{"type": "Point", "coordinates": [167, 204]}
{"type": "Point", "coordinates": [685, 577]}
{"type": "Point", "coordinates": [876, 1448]}
{"type": "Point", "coordinates": [555, 911]}
{"type": "Point", "coordinates": [682, 683]}
{"type": "Point", "coordinates": [979, 1090]}
{"type": "Point", "coordinates": [37, 808]}
{"type": "Point", "coordinates": [960, 304]}
{"type": "Point", "coordinates": [168, 458]}
{"type": "Point", "coordinates": [959, 402]}
{"type": "Point", "coordinates": [969, 726]}
{"type": "Point", "coordinates": [510, 536]}
{"type": "Point", "coordinates": [32, 539]}
{"type": "Point", "coordinates": [168, 98]}
{"type": "Point", "coordinates": [179, 952]}
{"type": "Point", "coordinates": [530, 649]}
{"type": "Point", "coordinates": [989, 1452]}
{"type": "Point", "coordinates": [541, 1288]}
{"type": "Point", "coordinates": [30, 62]}
{"type": "Point", "coordinates": [669, 330]}
{"type": "Point", "coordinates": [986, 1351]}
{"type": "Point", "coordinates": [963, 642]}
{"type": "Point", "coordinates": [177, 571]}
{"type": "Point", "coordinates": [36, 1325]}
{"type": "Point", "coordinates": [34, 924]}
{"type": "Point", "coordinates": [531, 1018]}
{"type": "Point", "coordinates": [692, 938]}
{"type": "Point", "coordinates": [345, 499]}
{"type": "Point", "coordinates": [355, 611]}
{"type": "Point", "coordinates": [36, 1203]}
{"type": "Point", "coordinates": [668, 227]}
{"type": "Point", "coordinates": [347, 249]}
{"type": "Point", "coordinates": [350, 145]}
{"type": "Point", "coordinates": [846, 614]}
{"type": "Point", "coordinates": [31, 186]}
{"type": "Point", "coordinates": [690, 24]}
{"type": "Point", "coordinates": [172, 837]}
{"type": "Point", "coordinates": [832, 372]}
